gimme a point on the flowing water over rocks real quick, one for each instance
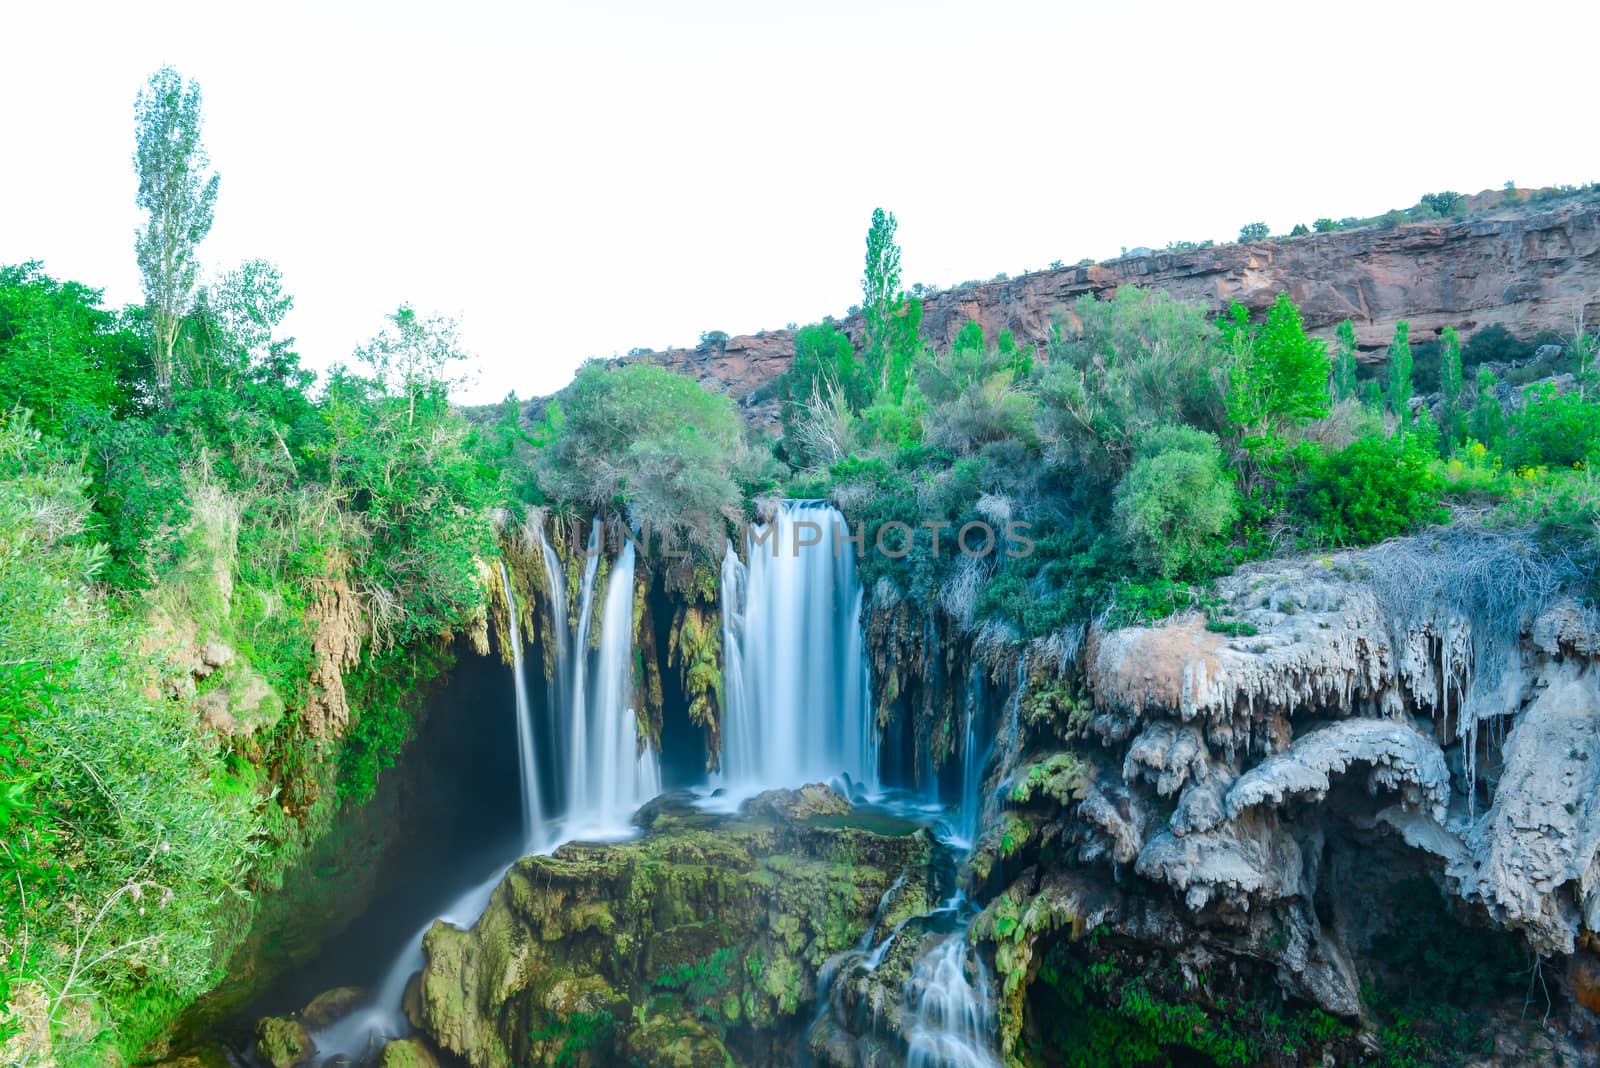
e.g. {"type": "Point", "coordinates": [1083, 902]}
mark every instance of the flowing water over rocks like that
{"type": "Point", "coordinates": [798, 701]}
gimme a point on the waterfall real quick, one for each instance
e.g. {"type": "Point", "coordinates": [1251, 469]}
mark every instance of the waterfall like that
{"type": "Point", "coordinates": [960, 830]}
{"type": "Point", "coordinates": [610, 772]}
{"type": "Point", "coordinates": [797, 705]}
{"type": "Point", "coordinates": [533, 826]}
{"type": "Point", "coordinates": [556, 581]}
{"type": "Point", "coordinates": [576, 721]}
{"type": "Point", "coordinates": [361, 1035]}
{"type": "Point", "coordinates": [953, 1021]}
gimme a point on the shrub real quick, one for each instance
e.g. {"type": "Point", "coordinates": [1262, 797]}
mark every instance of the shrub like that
{"type": "Point", "coordinates": [1374, 489]}
{"type": "Point", "coordinates": [824, 363]}
{"type": "Point", "coordinates": [1443, 204]}
{"type": "Point", "coordinates": [1554, 430]}
{"type": "Point", "coordinates": [1176, 502]}
{"type": "Point", "coordinates": [1486, 422]}
{"type": "Point", "coordinates": [1256, 231]}
{"type": "Point", "coordinates": [977, 392]}
{"type": "Point", "coordinates": [1141, 357]}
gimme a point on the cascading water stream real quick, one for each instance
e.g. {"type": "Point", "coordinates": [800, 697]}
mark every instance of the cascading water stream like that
{"type": "Point", "coordinates": [533, 825]}
{"type": "Point", "coordinates": [361, 1035]}
{"type": "Point", "coordinates": [611, 773]}
{"type": "Point", "coordinates": [576, 721]}
{"type": "Point", "coordinates": [954, 1020]}
{"type": "Point", "coordinates": [556, 581]}
{"type": "Point", "coordinates": [947, 995]}
{"type": "Point", "coordinates": [794, 664]}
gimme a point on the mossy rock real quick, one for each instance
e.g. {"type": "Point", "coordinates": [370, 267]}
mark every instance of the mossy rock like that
{"type": "Point", "coordinates": [408, 1053]}
{"type": "Point", "coordinates": [283, 1042]}
{"type": "Point", "coordinates": [675, 1041]}
{"type": "Point", "coordinates": [706, 925]}
{"type": "Point", "coordinates": [331, 1005]}
{"type": "Point", "coordinates": [204, 1057]}
{"type": "Point", "coordinates": [238, 702]}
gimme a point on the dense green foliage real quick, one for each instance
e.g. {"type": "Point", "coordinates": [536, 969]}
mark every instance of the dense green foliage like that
{"type": "Point", "coordinates": [1095, 1009]}
{"type": "Point", "coordinates": [656, 445]}
{"type": "Point", "coordinates": [1149, 448]}
{"type": "Point", "coordinates": [61, 354]}
{"type": "Point", "coordinates": [119, 844]}
{"type": "Point", "coordinates": [1554, 430]}
{"type": "Point", "coordinates": [1277, 376]}
{"type": "Point", "coordinates": [171, 478]}
{"type": "Point", "coordinates": [1176, 503]}
{"type": "Point", "coordinates": [1372, 489]}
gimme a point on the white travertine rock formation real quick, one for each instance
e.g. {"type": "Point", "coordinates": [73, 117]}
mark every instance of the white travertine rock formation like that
{"type": "Point", "coordinates": [1392, 663]}
{"type": "Point", "coordinates": [1402, 758]}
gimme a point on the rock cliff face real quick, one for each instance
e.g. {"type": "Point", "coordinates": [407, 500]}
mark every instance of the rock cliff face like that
{"type": "Point", "coordinates": [1528, 271]}
{"type": "Point", "coordinates": [1249, 790]}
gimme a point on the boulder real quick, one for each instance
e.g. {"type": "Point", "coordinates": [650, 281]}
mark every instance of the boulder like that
{"type": "Point", "coordinates": [331, 1005]}
{"type": "Point", "coordinates": [408, 1053]}
{"type": "Point", "coordinates": [283, 1042]}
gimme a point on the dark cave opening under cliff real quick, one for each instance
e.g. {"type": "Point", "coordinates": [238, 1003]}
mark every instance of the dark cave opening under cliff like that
{"type": "Point", "coordinates": [444, 819]}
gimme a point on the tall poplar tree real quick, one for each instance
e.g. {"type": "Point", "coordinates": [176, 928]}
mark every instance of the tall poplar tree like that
{"type": "Point", "coordinates": [1450, 385]}
{"type": "Point", "coordinates": [892, 321]}
{"type": "Point", "coordinates": [180, 197]}
{"type": "Point", "coordinates": [1344, 362]}
{"type": "Point", "coordinates": [1400, 374]}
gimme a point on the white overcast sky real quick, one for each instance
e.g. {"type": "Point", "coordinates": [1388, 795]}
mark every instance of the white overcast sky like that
{"type": "Point", "coordinates": [576, 179]}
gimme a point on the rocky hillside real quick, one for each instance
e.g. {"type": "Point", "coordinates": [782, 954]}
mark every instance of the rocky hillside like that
{"type": "Point", "coordinates": [1528, 271]}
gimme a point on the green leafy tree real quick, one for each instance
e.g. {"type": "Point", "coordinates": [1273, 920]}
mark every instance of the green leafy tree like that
{"type": "Point", "coordinates": [1450, 387]}
{"type": "Point", "coordinates": [892, 321]}
{"type": "Point", "coordinates": [1176, 503]}
{"type": "Point", "coordinates": [1325, 226]}
{"type": "Point", "coordinates": [1300, 230]}
{"type": "Point", "coordinates": [60, 352]}
{"type": "Point", "coordinates": [1256, 231]}
{"type": "Point", "coordinates": [180, 198]}
{"type": "Point", "coordinates": [248, 304]}
{"type": "Point", "coordinates": [823, 388]}
{"type": "Point", "coordinates": [1277, 375]}
{"type": "Point", "coordinates": [1344, 361]}
{"type": "Point", "coordinates": [412, 357]}
{"type": "Point", "coordinates": [653, 442]}
{"type": "Point", "coordinates": [823, 352]}
{"type": "Point", "coordinates": [1487, 422]}
{"type": "Point", "coordinates": [1445, 203]}
{"type": "Point", "coordinates": [1400, 375]}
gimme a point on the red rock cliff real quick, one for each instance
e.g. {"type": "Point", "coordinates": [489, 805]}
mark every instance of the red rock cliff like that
{"type": "Point", "coordinates": [1527, 271]}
